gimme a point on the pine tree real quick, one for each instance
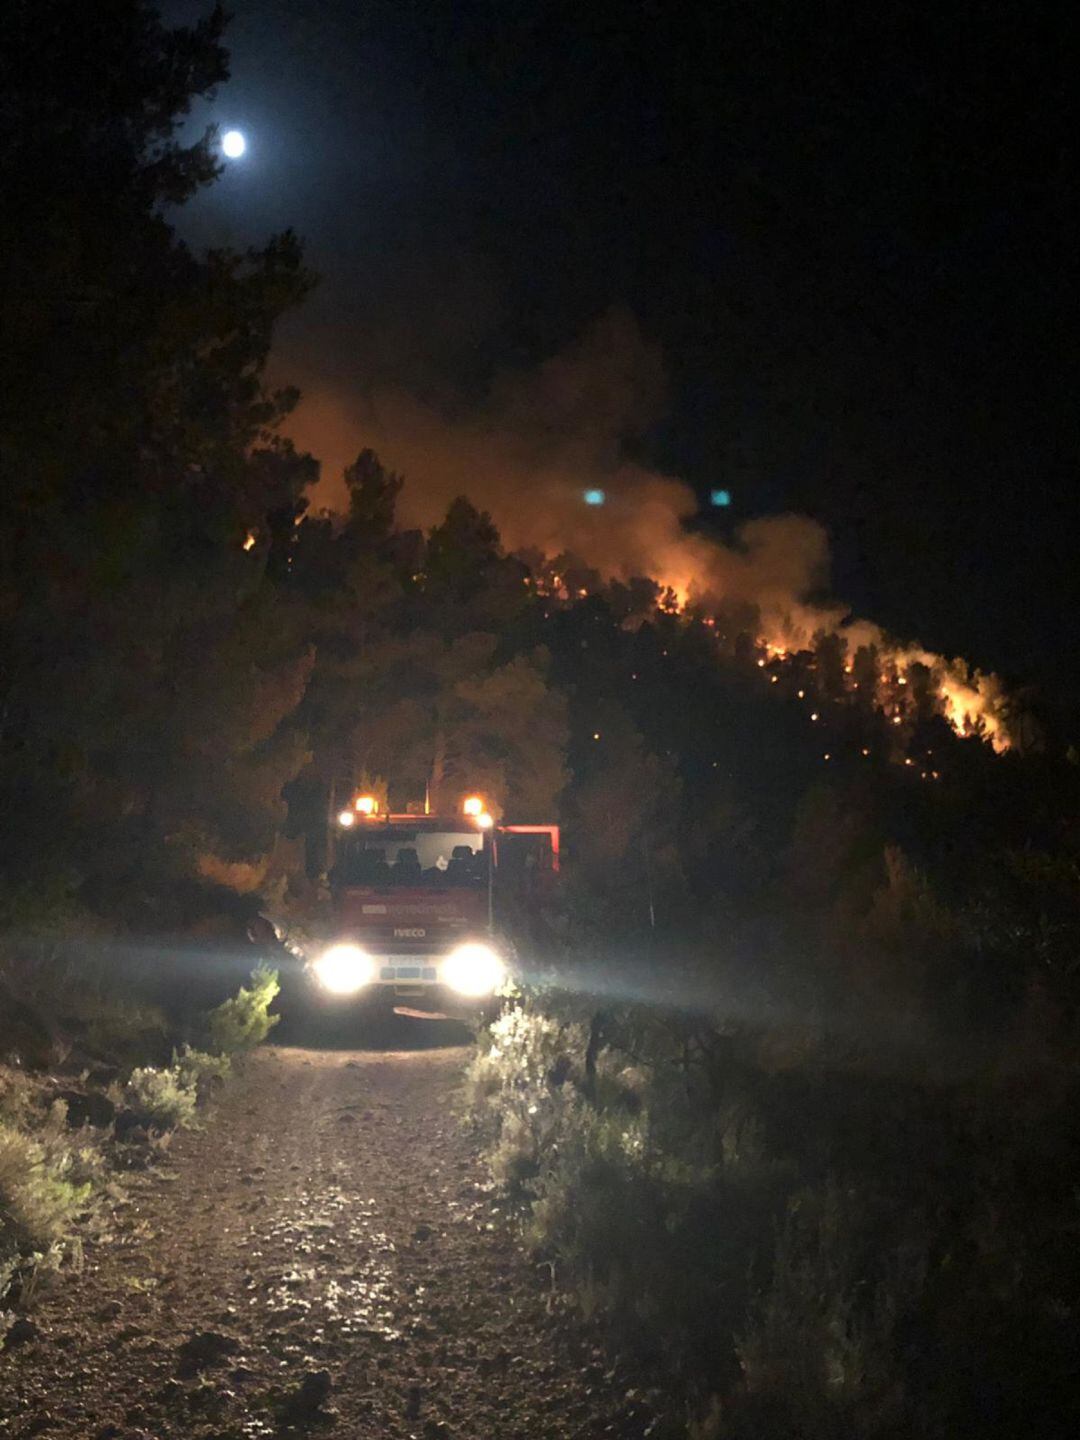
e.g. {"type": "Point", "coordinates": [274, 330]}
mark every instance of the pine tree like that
{"type": "Point", "coordinates": [141, 482]}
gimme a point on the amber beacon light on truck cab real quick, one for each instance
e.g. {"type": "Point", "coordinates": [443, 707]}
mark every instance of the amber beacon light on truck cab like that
{"type": "Point", "coordinates": [416, 904]}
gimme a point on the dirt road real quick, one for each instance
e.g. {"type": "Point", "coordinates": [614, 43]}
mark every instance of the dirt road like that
{"type": "Point", "coordinates": [323, 1257]}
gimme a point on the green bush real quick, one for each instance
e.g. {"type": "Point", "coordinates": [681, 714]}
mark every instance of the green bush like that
{"type": "Point", "coordinates": [38, 1194]}
{"type": "Point", "coordinates": [46, 1179]}
{"type": "Point", "coordinates": [18, 1096]}
{"type": "Point", "coordinates": [200, 1071]}
{"type": "Point", "coordinates": [517, 1087]}
{"type": "Point", "coordinates": [244, 1020]}
{"type": "Point", "coordinates": [164, 1097]}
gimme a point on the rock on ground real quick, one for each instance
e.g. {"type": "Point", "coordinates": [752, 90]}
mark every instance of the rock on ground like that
{"type": "Point", "coordinates": [323, 1258]}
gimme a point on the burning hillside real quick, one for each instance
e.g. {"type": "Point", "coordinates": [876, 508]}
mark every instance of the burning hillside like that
{"type": "Point", "coordinates": [546, 440]}
{"type": "Point", "coordinates": [815, 653]}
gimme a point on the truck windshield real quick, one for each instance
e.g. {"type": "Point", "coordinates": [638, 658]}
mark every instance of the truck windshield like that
{"type": "Point", "coordinates": [436, 858]}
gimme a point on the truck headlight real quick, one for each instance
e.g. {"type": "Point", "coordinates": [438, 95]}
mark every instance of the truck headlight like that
{"type": "Point", "coordinates": [473, 970]}
{"type": "Point", "coordinates": [343, 969]}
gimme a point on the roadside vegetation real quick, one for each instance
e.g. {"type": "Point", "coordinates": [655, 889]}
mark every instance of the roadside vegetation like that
{"type": "Point", "coordinates": [72, 1123]}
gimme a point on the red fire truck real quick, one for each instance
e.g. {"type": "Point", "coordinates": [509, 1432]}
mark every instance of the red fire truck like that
{"type": "Point", "coordinates": [415, 904]}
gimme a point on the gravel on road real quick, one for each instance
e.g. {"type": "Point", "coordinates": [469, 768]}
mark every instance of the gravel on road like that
{"type": "Point", "coordinates": [324, 1256]}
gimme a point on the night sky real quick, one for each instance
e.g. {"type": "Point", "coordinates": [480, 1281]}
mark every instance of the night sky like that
{"type": "Point", "coordinates": [846, 227]}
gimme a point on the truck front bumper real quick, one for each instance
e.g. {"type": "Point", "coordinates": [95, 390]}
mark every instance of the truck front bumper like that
{"type": "Point", "coordinates": [418, 1002]}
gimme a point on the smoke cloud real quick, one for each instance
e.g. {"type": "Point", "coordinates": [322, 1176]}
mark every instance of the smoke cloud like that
{"type": "Point", "coordinates": [541, 439]}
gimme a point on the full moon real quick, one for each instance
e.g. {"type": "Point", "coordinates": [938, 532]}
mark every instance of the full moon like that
{"type": "Point", "coordinates": [233, 144]}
